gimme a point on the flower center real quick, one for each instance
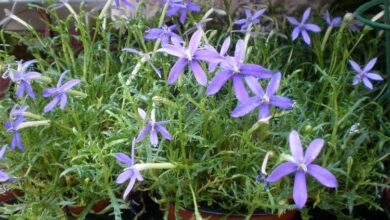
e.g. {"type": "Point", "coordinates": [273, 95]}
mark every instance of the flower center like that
{"type": "Point", "coordinates": [189, 55]}
{"type": "Point", "coordinates": [302, 167]}
{"type": "Point", "coordinates": [236, 69]}
{"type": "Point", "coordinates": [265, 98]}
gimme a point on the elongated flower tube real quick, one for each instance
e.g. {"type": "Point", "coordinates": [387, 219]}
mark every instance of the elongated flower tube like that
{"type": "Point", "coordinates": [301, 164]}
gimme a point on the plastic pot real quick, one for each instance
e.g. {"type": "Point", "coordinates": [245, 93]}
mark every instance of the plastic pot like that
{"type": "Point", "coordinates": [10, 195]}
{"type": "Point", "coordinates": [96, 208]}
{"type": "Point", "coordinates": [188, 214]}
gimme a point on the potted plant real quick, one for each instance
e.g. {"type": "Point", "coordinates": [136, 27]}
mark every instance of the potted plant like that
{"type": "Point", "coordinates": [201, 115]}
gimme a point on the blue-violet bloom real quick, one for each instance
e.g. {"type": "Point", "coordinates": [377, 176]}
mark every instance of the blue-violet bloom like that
{"type": "Point", "coordinates": [24, 76]}
{"type": "Point", "coordinates": [190, 56]}
{"type": "Point", "coordinates": [302, 28]}
{"type": "Point", "coordinates": [12, 126]}
{"type": "Point", "coordinates": [301, 164]}
{"type": "Point", "coordinates": [59, 93]}
{"type": "Point", "coordinates": [18, 112]}
{"type": "Point", "coordinates": [182, 6]}
{"type": "Point", "coordinates": [334, 22]}
{"type": "Point", "coordinates": [130, 172]}
{"type": "Point", "coordinates": [153, 127]}
{"type": "Point", "coordinates": [3, 176]}
{"type": "Point", "coordinates": [250, 18]}
{"type": "Point", "coordinates": [364, 74]}
{"type": "Point", "coordinates": [262, 100]}
{"type": "Point", "coordinates": [235, 69]}
{"type": "Point", "coordinates": [165, 33]}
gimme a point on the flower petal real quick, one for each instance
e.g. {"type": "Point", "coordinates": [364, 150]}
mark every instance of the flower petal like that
{"type": "Point", "coordinates": [176, 70]}
{"type": "Point", "coordinates": [153, 137]}
{"type": "Point", "coordinates": [195, 41]}
{"type": "Point", "coordinates": [218, 81]}
{"type": "Point", "coordinates": [20, 90]}
{"type": "Point", "coordinates": [313, 150]}
{"type": "Point", "coordinates": [295, 33]}
{"type": "Point", "coordinates": [51, 104]}
{"type": "Point", "coordinates": [245, 106]}
{"type": "Point", "coordinates": [280, 171]}
{"type": "Point", "coordinates": [29, 89]}
{"type": "Point", "coordinates": [225, 46]}
{"type": "Point", "coordinates": [123, 177]}
{"type": "Point", "coordinates": [123, 158]}
{"type": "Point", "coordinates": [295, 146]}
{"type": "Point", "coordinates": [312, 27]}
{"type": "Point", "coordinates": [63, 101]}
{"type": "Point", "coordinates": [264, 111]}
{"type": "Point", "coordinates": [143, 132]}
{"type": "Point", "coordinates": [174, 50]}
{"type": "Point", "coordinates": [355, 66]}
{"type": "Point", "coordinates": [367, 83]}
{"type": "Point", "coordinates": [256, 71]}
{"type": "Point", "coordinates": [71, 83]}
{"type": "Point", "coordinates": [31, 75]}
{"type": "Point", "coordinates": [292, 21]}
{"type": "Point", "coordinates": [255, 86]}
{"type": "Point", "coordinates": [208, 56]}
{"type": "Point", "coordinates": [3, 150]}
{"type": "Point", "coordinates": [300, 190]}
{"type": "Point", "coordinates": [306, 15]}
{"type": "Point", "coordinates": [142, 113]}
{"type": "Point", "coordinates": [374, 76]}
{"type": "Point", "coordinates": [306, 37]}
{"type": "Point", "coordinates": [239, 53]}
{"type": "Point", "coordinates": [129, 187]}
{"type": "Point", "coordinates": [239, 88]}
{"type": "Point", "coordinates": [49, 92]}
{"type": "Point", "coordinates": [273, 84]}
{"type": "Point", "coordinates": [199, 74]}
{"type": "Point", "coordinates": [163, 131]}
{"type": "Point", "coordinates": [322, 175]}
{"type": "Point", "coordinates": [370, 65]}
{"type": "Point", "coordinates": [281, 102]}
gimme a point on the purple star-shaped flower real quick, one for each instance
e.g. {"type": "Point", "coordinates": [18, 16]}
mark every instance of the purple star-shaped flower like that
{"type": "Point", "coordinates": [12, 126]}
{"type": "Point", "coordinates": [130, 172]}
{"type": "Point", "coordinates": [234, 68]}
{"type": "Point", "coordinates": [24, 76]}
{"type": "Point", "coordinates": [364, 74]}
{"type": "Point", "coordinates": [164, 33]}
{"type": "Point", "coordinates": [182, 6]}
{"type": "Point", "coordinates": [250, 18]}
{"type": "Point", "coordinates": [127, 3]}
{"type": "Point", "coordinates": [224, 49]}
{"type": "Point", "coordinates": [300, 165]}
{"type": "Point", "coordinates": [3, 176]}
{"type": "Point", "coordinates": [334, 22]}
{"type": "Point", "coordinates": [302, 28]}
{"type": "Point", "coordinates": [190, 56]}
{"type": "Point", "coordinates": [262, 100]}
{"type": "Point", "coordinates": [59, 93]}
{"type": "Point", "coordinates": [153, 127]}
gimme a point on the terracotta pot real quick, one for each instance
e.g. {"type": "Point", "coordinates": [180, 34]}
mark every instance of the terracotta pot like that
{"type": "Point", "coordinates": [98, 207]}
{"type": "Point", "coordinates": [188, 214]}
{"type": "Point", "coordinates": [10, 195]}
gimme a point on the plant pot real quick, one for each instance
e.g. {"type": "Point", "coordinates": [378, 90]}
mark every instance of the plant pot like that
{"type": "Point", "coordinates": [10, 195]}
{"type": "Point", "coordinates": [96, 208]}
{"type": "Point", "coordinates": [188, 214]}
{"type": "Point", "coordinates": [4, 84]}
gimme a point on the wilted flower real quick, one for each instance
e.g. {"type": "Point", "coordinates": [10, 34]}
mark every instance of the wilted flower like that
{"type": "Point", "coordinates": [130, 172]}
{"type": "Point", "coordinates": [164, 33]}
{"type": "Point", "coordinates": [12, 126]}
{"type": "Point", "coordinates": [3, 176]}
{"type": "Point", "coordinates": [153, 127]}
{"type": "Point", "coordinates": [24, 76]}
{"type": "Point", "coordinates": [234, 68]}
{"type": "Point", "coordinates": [190, 56]}
{"type": "Point", "coordinates": [182, 6]}
{"type": "Point", "coordinates": [364, 75]}
{"type": "Point", "coordinates": [302, 28]}
{"type": "Point", "coordinates": [301, 164]}
{"type": "Point", "coordinates": [250, 18]}
{"type": "Point", "coordinates": [262, 100]}
{"type": "Point", "coordinates": [59, 93]}
{"type": "Point", "coordinates": [126, 2]}
{"type": "Point", "coordinates": [334, 22]}
{"type": "Point", "coordinates": [145, 58]}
